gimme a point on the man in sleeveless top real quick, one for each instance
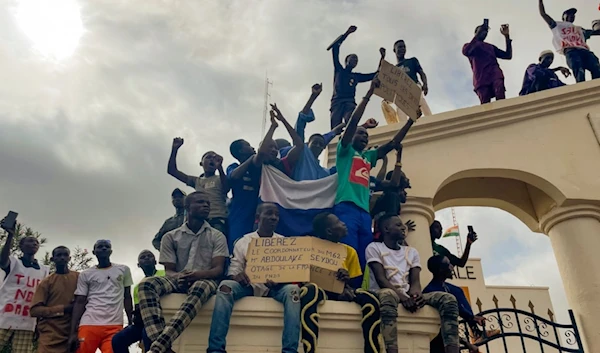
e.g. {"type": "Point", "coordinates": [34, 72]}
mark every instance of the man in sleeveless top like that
{"type": "Point", "coordinates": [22, 276]}
{"type": "Point", "coordinates": [215, 185]}
{"type": "Point", "coordinates": [570, 40]}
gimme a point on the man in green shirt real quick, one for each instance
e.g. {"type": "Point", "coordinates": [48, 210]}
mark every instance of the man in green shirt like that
{"type": "Point", "coordinates": [353, 168]}
{"type": "Point", "coordinates": [134, 333]}
{"type": "Point", "coordinates": [435, 231]}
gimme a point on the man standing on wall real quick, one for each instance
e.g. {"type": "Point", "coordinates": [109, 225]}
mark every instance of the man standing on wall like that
{"type": "Point", "coordinates": [488, 78]}
{"type": "Point", "coordinates": [52, 304]}
{"type": "Point", "coordinates": [412, 68]}
{"type": "Point", "coordinates": [570, 40]}
{"type": "Point", "coordinates": [22, 276]}
{"type": "Point", "coordinates": [345, 81]}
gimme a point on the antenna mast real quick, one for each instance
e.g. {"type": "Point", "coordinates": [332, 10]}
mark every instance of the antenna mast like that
{"type": "Point", "coordinates": [266, 106]}
{"type": "Point", "coordinates": [458, 239]}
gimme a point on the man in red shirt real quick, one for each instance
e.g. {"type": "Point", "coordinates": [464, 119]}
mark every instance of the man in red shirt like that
{"type": "Point", "coordinates": [488, 79]}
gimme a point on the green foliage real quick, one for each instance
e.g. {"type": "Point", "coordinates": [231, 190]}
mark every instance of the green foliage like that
{"type": "Point", "coordinates": [21, 231]}
{"type": "Point", "coordinates": [80, 260]}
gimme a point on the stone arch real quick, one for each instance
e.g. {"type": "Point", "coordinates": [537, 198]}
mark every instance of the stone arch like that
{"type": "Point", "coordinates": [527, 196]}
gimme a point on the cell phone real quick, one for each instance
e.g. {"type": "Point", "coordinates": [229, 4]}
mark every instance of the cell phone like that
{"type": "Point", "coordinates": [10, 221]}
{"type": "Point", "coordinates": [471, 231]}
{"type": "Point", "coordinates": [486, 22]}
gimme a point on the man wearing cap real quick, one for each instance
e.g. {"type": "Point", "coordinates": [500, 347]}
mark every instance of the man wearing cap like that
{"type": "Point", "coordinates": [570, 40]}
{"type": "Point", "coordinates": [540, 77]}
{"type": "Point", "coordinates": [177, 198]}
{"type": "Point", "coordinates": [488, 78]}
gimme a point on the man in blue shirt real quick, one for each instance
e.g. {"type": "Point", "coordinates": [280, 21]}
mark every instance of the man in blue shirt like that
{"type": "Point", "coordinates": [442, 269]}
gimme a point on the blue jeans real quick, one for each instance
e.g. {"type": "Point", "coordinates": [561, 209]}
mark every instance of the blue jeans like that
{"type": "Point", "coordinates": [360, 234]}
{"type": "Point", "coordinates": [128, 336]}
{"type": "Point", "coordinates": [288, 295]}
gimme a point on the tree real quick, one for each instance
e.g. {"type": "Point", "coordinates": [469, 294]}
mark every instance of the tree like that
{"type": "Point", "coordinates": [80, 260]}
{"type": "Point", "coordinates": [21, 231]}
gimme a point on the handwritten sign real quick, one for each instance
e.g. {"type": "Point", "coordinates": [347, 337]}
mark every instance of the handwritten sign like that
{"type": "Point", "coordinates": [296, 259]}
{"type": "Point", "coordinates": [399, 88]}
{"type": "Point", "coordinates": [24, 290]}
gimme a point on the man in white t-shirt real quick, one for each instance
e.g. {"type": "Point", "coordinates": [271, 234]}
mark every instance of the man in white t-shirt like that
{"type": "Point", "coordinates": [394, 276]}
{"type": "Point", "coordinates": [102, 293]}
{"type": "Point", "coordinates": [22, 276]}
{"type": "Point", "coordinates": [239, 286]}
{"type": "Point", "coordinates": [570, 40]}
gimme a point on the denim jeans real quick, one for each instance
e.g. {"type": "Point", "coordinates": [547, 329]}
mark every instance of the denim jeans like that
{"type": "Point", "coordinates": [288, 295]}
{"type": "Point", "coordinates": [128, 336]}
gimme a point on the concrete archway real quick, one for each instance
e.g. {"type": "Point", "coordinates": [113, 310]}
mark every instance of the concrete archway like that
{"type": "Point", "coordinates": [522, 194]}
{"type": "Point", "coordinates": [537, 157]}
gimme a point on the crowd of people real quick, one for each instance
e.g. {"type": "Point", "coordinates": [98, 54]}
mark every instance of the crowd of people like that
{"type": "Point", "coordinates": [203, 246]}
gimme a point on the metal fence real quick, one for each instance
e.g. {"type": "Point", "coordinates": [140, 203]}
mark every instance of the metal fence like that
{"type": "Point", "coordinates": [526, 326]}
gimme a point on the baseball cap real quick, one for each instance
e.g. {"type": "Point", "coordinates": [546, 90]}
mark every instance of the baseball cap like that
{"type": "Point", "coordinates": [572, 11]}
{"type": "Point", "coordinates": [178, 192]}
{"type": "Point", "coordinates": [546, 52]}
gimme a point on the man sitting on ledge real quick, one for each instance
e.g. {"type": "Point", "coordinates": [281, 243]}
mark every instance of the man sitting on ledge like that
{"type": "Point", "coordinates": [394, 275]}
{"type": "Point", "coordinates": [328, 227]}
{"type": "Point", "coordinates": [194, 259]}
{"type": "Point", "coordinates": [239, 286]}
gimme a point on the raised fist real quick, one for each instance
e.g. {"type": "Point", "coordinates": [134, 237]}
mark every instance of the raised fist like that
{"type": "Point", "coordinates": [177, 142]}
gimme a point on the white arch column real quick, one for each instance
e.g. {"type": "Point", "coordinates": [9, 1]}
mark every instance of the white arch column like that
{"type": "Point", "coordinates": [421, 212]}
{"type": "Point", "coordinates": [574, 232]}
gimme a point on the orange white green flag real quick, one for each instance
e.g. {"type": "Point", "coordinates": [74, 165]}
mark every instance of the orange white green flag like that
{"type": "Point", "coordinates": [451, 232]}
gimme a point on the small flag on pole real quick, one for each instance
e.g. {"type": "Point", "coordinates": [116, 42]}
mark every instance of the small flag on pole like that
{"type": "Point", "coordinates": [451, 232]}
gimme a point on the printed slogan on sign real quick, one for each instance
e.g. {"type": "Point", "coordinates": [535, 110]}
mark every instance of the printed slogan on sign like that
{"type": "Point", "coordinates": [296, 259]}
{"type": "Point", "coordinates": [398, 88]}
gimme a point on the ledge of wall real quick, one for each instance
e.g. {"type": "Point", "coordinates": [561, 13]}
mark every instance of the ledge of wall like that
{"type": "Point", "coordinates": [256, 326]}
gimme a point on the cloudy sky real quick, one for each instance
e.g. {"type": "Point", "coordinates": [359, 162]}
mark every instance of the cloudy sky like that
{"type": "Point", "coordinates": [95, 91]}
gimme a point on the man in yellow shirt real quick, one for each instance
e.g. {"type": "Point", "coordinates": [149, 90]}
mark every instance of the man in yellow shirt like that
{"type": "Point", "coordinates": [327, 226]}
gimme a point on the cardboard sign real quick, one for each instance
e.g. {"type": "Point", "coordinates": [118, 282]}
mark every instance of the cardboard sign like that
{"type": "Point", "coordinates": [296, 259]}
{"type": "Point", "coordinates": [399, 88]}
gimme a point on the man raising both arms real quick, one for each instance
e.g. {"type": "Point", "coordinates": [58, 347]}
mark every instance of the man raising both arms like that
{"type": "Point", "coordinates": [345, 81]}
{"type": "Point", "coordinates": [52, 304]}
{"type": "Point", "coordinates": [102, 293]}
{"type": "Point", "coordinates": [488, 78]}
{"type": "Point", "coordinates": [354, 166]}
{"type": "Point", "coordinates": [570, 40]}
{"type": "Point", "coordinates": [216, 186]}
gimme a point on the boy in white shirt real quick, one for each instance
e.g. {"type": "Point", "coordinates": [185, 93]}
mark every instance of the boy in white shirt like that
{"type": "Point", "coordinates": [394, 275]}
{"type": "Point", "coordinates": [102, 293]}
{"type": "Point", "coordinates": [239, 286]}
